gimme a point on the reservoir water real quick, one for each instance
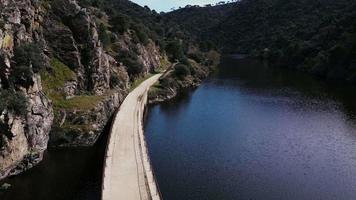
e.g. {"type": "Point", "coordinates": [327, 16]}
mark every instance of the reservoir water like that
{"type": "Point", "coordinates": [255, 132]}
{"type": "Point", "coordinates": [64, 174]}
{"type": "Point", "coordinates": [249, 132]}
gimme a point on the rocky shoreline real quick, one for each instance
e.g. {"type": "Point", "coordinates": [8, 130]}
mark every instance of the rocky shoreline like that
{"type": "Point", "coordinates": [170, 85]}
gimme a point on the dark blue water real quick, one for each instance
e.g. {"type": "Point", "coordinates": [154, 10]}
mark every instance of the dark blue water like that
{"type": "Point", "coordinates": [64, 174]}
{"type": "Point", "coordinates": [255, 132]}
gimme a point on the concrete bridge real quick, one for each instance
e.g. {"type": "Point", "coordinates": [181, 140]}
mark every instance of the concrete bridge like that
{"type": "Point", "coordinates": [128, 173]}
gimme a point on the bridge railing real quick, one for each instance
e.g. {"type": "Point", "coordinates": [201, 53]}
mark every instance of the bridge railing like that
{"type": "Point", "coordinates": [147, 152]}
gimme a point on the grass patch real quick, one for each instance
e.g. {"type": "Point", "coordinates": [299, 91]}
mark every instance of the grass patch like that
{"type": "Point", "coordinates": [7, 42]}
{"type": "Point", "coordinates": [164, 64]}
{"type": "Point", "coordinates": [138, 81]}
{"type": "Point", "coordinates": [53, 83]}
{"type": "Point", "coordinates": [155, 89]}
{"type": "Point", "coordinates": [82, 102]}
{"type": "Point", "coordinates": [59, 76]}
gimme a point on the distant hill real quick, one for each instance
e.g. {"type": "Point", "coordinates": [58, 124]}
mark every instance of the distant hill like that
{"type": "Point", "coordinates": [318, 36]}
{"type": "Point", "coordinates": [199, 20]}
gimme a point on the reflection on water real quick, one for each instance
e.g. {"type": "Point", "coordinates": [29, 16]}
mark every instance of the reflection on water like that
{"type": "Point", "coordinates": [252, 131]}
{"type": "Point", "coordinates": [64, 174]}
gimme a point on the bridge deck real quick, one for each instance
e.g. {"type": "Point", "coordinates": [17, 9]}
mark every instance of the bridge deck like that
{"type": "Point", "coordinates": [127, 171]}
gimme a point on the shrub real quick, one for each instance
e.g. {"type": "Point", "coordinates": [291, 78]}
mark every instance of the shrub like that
{"type": "Point", "coordinates": [13, 101]}
{"type": "Point", "coordinates": [2, 23]}
{"type": "Point", "coordinates": [197, 56]}
{"type": "Point", "coordinates": [181, 70]}
{"type": "Point", "coordinates": [104, 35]}
{"type": "Point", "coordinates": [21, 75]}
{"type": "Point", "coordinates": [28, 54]}
{"type": "Point", "coordinates": [141, 34]}
{"type": "Point", "coordinates": [87, 3]}
{"type": "Point", "coordinates": [174, 50]}
{"type": "Point", "coordinates": [184, 60]}
{"type": "Point", "coordinates": [130, 60]}
{"type": "Point", "coordinates": [121, 23]}
{"type": "Point", "coordinates": [114, 80]}
{"type": "Point", "coordinates": [133, 66]}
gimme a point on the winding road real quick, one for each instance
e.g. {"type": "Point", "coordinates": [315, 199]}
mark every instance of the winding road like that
{"type": "Point", "coordinates": [127, 171]}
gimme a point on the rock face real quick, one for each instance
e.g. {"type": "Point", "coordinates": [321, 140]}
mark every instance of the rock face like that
{"type": "Point", "coordinates": [71, 32]}
{"type": "Point", "coordinates": [68, 33]}
{"type": "Point", "coordinates": [85, 127]}
{"type": "Point", "coordinates": [24, 138]}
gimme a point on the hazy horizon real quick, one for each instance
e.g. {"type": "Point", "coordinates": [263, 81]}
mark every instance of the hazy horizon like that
{"type": "Point", "coordinates": [166, 5]}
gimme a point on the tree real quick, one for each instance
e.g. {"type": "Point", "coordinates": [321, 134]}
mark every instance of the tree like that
{"type": "Point", "coordinates": [121, 23]}
{"type": "Point", "coordinates": [104, 35]}
{"type": "Point", "coordinates": [13, 101]}
{"type": "Point", "coordinates": [175, 50]}
{"type": "Point", "coordinates": [130, 60]}
{"type": "Point", "coordinates": [141, 34]}
{"type": "Point", "coordinates": [21, 75]}
{"type": "Point", "coordinates": [29, 54]}
{"type": "Point", "coordinates": [181, 71]}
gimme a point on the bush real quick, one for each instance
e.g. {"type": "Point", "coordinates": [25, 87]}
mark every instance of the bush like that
{"type": "Point", "coordinates": [181, 70]}
{"type": "Point", "coordinates": [130, 60]}
{"type": "Point", "coordinates": [87, 3]}
{"type": "Point", "coordinates": [121, 23]}
{"type": "Point", "coordinates": [2, 23]}
{"type": "Point", "coordinates": [174, 50]}
{"type": "Point", "coordinates": [28, 54]}
{"type": "Point", "coordinates": [104, 36]}
{"type": "Point", "coordinates": [141, 34]}
{"type": "Point", "coordinates": [21, 75]}
{"type": "Point", "coordinates": [13, 101]}
{"type": "Point", "coordinates": [133, 66]}
{"type": "Point", "coordinates": [198, 57]}
{"type": "Point", "coordinates": [114, 80]}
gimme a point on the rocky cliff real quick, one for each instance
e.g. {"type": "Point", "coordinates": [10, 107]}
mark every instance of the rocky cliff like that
{"type": "Point", "coordinates": [66, 66]}
{"type": "Point", "coordinates": [69, 96]}
{"type": "Point", "coordinates": [23, 136]}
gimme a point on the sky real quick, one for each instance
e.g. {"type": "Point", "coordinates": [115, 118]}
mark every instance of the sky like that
{"type": "Point", "coordinates": [166, 5]}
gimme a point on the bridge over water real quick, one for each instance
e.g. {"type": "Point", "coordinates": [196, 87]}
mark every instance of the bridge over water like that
{"type": "Point", "coordinates": [128, 173]}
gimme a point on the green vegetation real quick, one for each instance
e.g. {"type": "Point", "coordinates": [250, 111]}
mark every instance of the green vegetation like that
{"type": "Point", "coordinates": [121, 23]}
{"type": "Point", "coordinates": [114, 80]}
{"type": "Point", "coordinates": [2, 24]}
{"type": "Point", "coordinates": [130, 60]}
{"type": "Point", "coordinates": [7, 42]}
{"type": "Point", "coordinates": [53, 84]}
{"type": "Point", "coordinates": [54, 80]}
{"type": "Point", "coordinates": [141, 34]}
{"type": "Point", "coordinates": [25, 56]}
{"type": "Point", "coordinates": [104, 35]}
{"type": "Point", "coordinates": [138, 81]}
{"type": "Point", "coordinates": [181, 70]}
{"type": "Point", "coordinates": [82, 102]}
{"type": "Point", "coordinates": [175, 50]}
{"type": "Point", "coordinates": [21, 74]}
{"type": "Point", "coordinates": [29, 54]}
{"type": "Point", "coordinates": [314, 36]}
{"type": "Point", "coordinates": [13, 101]}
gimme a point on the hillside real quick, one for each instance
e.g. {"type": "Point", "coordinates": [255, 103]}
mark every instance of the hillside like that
{"type": "Point", "coordinates": [314, 36]}
{"type": "Point", "coordinates": [66, 66]}
{"type": "Point", "coordinates": [197, 21]}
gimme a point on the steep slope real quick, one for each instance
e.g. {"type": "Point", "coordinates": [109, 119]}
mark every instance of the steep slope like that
{"type": "Point", "coordinates": [314, 36]}
{"type": "Point", "coordinates": [26, 113]}
{"type": "Point", "coordinates": [66, 66]}
{"type": "Point", "coordinates": [197, 21]}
